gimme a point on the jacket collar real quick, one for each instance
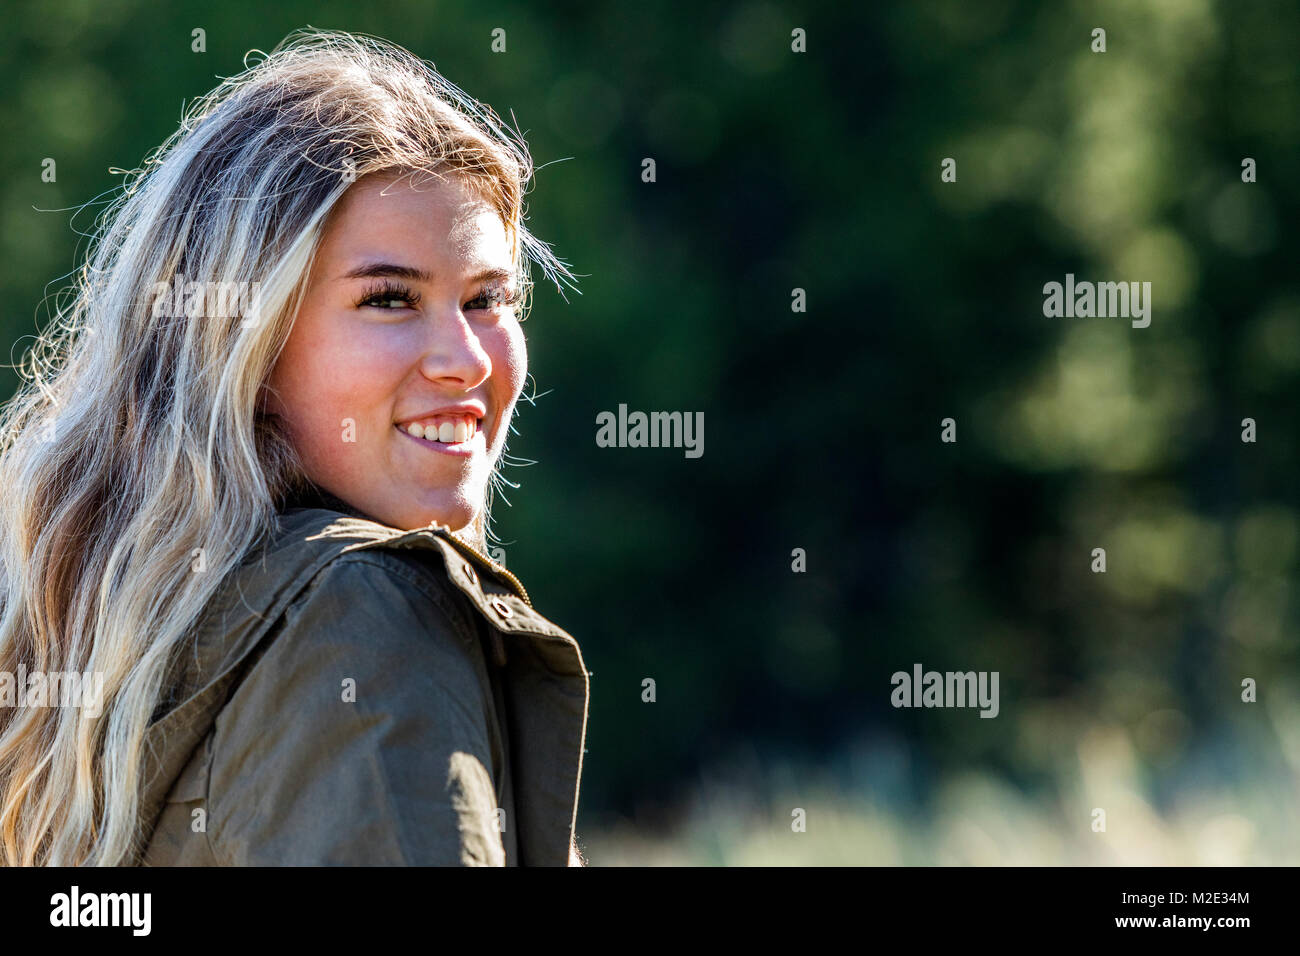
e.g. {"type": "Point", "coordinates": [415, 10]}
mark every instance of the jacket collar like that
{"type": "Point", "coordinates": [545, 671]}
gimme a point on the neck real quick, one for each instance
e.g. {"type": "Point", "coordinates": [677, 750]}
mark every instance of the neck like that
{"type": "Point", "coordinates": [313, 495]}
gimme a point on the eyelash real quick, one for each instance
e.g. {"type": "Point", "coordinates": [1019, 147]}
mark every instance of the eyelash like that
{"type": "Point", "coordinates": [388, 290]}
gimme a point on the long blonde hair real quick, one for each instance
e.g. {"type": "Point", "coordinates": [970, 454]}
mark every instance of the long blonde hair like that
{"type": "Point", "coordinates": [137, 439]}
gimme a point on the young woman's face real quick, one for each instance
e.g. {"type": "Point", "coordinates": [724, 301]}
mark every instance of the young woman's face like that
{"type": "Point", "coordinates": [408, 319]}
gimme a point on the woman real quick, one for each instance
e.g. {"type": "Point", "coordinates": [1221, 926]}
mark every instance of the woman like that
{"type": "Point", "coordinates": [248, 483]}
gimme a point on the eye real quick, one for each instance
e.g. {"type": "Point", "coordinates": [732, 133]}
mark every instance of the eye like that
{"type": "Point", "coordinates": [489, 296]}
{"type": "Point", "coordinates": [389, 297]}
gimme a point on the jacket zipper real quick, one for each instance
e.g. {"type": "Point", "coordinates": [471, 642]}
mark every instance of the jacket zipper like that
{"type": "Point", "coordinates": [499, 569]}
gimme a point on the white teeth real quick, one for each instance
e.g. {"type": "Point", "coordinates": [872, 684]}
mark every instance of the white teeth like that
{"type": "Point", "coordinates": [446, 432]}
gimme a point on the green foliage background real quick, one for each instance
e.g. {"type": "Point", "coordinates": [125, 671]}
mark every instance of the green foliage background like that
{"type": "Point", "coordinates": [820, 171]}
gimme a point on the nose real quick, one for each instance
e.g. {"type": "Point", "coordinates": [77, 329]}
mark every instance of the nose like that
{"type": "Point", "coordinates": [453, 354]}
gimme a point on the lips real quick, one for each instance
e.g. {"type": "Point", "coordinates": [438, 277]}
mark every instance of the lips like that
{"type": "Point", "coordinates": [449, 425]}
{"type": "Point", "coordinates": [447, 429]}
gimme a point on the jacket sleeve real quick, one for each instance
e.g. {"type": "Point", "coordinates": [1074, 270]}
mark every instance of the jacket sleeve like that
{"type": "Point", "coordinates": [396, 772]}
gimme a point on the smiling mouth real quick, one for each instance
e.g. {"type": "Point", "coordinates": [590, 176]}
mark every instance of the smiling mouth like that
{"type": "Point", "coordinates": [444, 429]}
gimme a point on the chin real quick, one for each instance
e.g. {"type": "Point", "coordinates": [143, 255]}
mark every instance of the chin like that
{"type": "Point", "coordinates": [453, 510]}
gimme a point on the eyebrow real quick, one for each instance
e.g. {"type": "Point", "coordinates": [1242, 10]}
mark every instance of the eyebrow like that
{"type": "Point", "coordinates": [385, 270]}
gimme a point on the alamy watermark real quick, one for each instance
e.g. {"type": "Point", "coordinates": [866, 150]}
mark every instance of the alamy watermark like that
{"type": "Point", "coordinates": [1127, 300]}
{"type": "Point", "coordinates": [651, 430]}
{"type": "Point", "coordinates": [946, 689]}
{"type": "Point", "coordinates": [130, 910]}
{"type": "Point", "coordinates": [53, 689]}
{"type": "Point", "coordinates": [182, 298]}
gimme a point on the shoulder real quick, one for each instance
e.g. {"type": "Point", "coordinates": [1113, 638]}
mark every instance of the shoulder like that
{"type": "Point", "coordinates": [378, 599]}
{"type": "Point", "coordinates": [363, 719]}
{"type": "Point", "coordinates": [318, 556]}
{"type": "Point", "coordinates": [338, 669]}
{"type": "Point", "coordinates": [381, 594]}
{"type": "Point", "coordinates": [378, 629]}
{"type": "Point", "coordinates": [375, 601]}
{"type": "Point", "coordinates": [437, 557]}
{"type": "Point", "coordinates": [316, 537]}
{"type": "Point", "coordinates": [361, 576]}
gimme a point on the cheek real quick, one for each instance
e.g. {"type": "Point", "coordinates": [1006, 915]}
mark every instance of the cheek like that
{"type": "Point", "coordinates": [324, 378]}
{"type": "Point", "coordinates": [510, 358]}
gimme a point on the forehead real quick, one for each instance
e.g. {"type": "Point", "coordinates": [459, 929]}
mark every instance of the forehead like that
{"type": "Point", "coordinates": [436, 220]}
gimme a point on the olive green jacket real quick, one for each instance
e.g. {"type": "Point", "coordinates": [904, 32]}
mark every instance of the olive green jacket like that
{"type": "Point", "coordinates": [360, 695]}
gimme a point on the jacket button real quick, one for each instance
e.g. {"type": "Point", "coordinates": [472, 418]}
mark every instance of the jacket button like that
{"type": "Point", "coordinates": [502, 607]}
{"type": "Point", "coordinates": [469, 573]}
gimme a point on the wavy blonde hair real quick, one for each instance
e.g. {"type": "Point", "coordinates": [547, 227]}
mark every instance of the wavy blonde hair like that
{"type": "Point", "coordinates": [162, 447]}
